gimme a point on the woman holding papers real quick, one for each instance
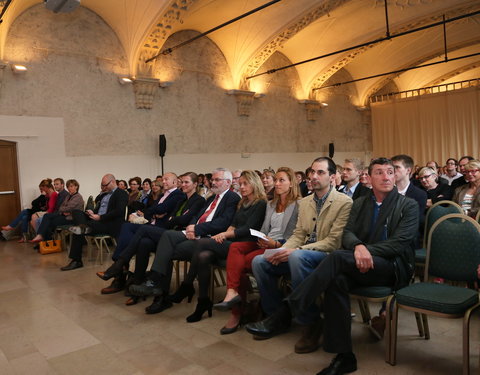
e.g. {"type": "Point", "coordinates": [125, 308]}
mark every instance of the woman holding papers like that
{"type": "Point", "coordinates": [250, 214]}
{"type": "Point", "coordinates": [279, 223]}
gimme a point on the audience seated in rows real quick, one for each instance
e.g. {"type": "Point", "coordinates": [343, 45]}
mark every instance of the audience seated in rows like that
{"type": "Point", "coordinates": [370, 258]}
{"type": "Point", "coordinates": [146, 238]}
{"type": "Point", "coordinates": [377, 254]}
{"type": "Point", "coordinates": [215, 217]}
{"type": "Point", "coordinates": [73, 201]}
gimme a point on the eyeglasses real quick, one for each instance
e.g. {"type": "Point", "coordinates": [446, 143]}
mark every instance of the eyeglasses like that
{"type": "Point", "coordinates": [472, 171]}
{"type": "Point", "coordinates": [424, 177]}
{"type": "Point", "coordinates": [217, 179]}
{"type": "Point", "coordinates": [105, 185]}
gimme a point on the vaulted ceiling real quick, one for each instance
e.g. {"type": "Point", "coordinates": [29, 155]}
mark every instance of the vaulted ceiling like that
{"type": "Point", "coordinates": [301, 30]}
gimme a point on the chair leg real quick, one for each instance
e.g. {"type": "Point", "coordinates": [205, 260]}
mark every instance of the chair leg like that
{"type": "Point", "coordinates": [418, 318]}
{"type": "Point", "coordinates": [176, 266]}
{"type": "Point", "coordinates": [393, 338]}
{"type": "Point", "coordinates": [362, 311]}
{"type": "Point", "coordinates": [367, 311]}
{"type": "Point", "coordinates": [425, 326]}
{"type": "Point", "coordinates": [466, 342]}
{"type": "Point", "coordinates": [388, 330]}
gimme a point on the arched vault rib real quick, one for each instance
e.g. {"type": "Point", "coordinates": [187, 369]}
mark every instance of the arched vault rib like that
{"type": "Point", "coordinates": [279, 39]}
{"type": "Point", "coordinates": [158, 34]}
{"type": "Point", "coordinates": [347, 58]}
{"type": "Point", "coordinates": [384, 80]}
{"type": "Point", "coordinates": [454, 73]}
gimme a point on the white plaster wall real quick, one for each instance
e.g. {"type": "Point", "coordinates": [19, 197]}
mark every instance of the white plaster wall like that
{"type": "Point", "coordinates": [41, 154]}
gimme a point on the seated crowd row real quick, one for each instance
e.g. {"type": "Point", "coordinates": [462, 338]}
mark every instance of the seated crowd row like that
{"type": "Point", "coordinates": [343, 233]}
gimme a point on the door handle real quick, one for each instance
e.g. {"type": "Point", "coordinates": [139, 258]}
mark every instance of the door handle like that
{"type": "Point", "coordinates": [7, 192]}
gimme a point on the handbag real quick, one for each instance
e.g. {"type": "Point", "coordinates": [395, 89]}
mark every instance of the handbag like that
{"type": "Point", "coordinates": [52, 246]}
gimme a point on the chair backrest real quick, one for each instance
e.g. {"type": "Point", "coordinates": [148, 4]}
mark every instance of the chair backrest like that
{"type": "Point", "coordinates": [437, 211]}
{"type": "Point", "coordinates": [453, 250]}
{"type": "Point", "coordinates": [90, 205]}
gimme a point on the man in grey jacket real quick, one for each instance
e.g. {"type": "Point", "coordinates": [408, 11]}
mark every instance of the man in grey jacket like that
{"type": "Point", "coordinates": [379, 250]}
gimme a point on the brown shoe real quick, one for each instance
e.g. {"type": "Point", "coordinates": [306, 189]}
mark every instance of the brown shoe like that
{"type": "Point", "coordinates": [117, 285]}
{"type": "Point", "coordinates": [310, 340]}
{"type": "Point", "coordinates": [377, 326]}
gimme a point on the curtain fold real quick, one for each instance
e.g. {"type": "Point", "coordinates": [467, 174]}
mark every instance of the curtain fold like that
{"type": "Point", "coordinates": [428, 127]}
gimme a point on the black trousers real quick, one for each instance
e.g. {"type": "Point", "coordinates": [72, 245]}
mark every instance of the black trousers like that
{"type": "Point", "coordinates": [207, 252]}
{"type": "Point", "coordinates": [143, 242]}
{"type": "Point", "coordinates": [79, 217]}
{"type": "Point", "coordinates": [334, 277]}
{"type": "Point", "coordinates": [49, 223]}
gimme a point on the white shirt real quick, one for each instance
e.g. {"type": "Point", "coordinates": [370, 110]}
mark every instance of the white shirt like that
{"type": "Point", "coordinates": [220, 196]}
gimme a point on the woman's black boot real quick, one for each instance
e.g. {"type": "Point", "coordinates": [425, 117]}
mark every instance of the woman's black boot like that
{"type": "Point", "coordinates": [204, 304]}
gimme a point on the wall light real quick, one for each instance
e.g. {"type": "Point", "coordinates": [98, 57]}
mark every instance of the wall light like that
{"type": "Point", "coordinates": [124, 80]}
{"type": "Point", "coordinates": [324, 104]}
{"type": "Point", "coordinates": [19, 69]}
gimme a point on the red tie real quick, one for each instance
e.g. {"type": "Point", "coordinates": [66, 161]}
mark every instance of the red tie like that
{"type": "Point", "coordinates": [203, 218]}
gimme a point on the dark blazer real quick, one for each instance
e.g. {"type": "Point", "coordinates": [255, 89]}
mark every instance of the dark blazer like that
{"type": "Point", "coordinates": [455, 183]}
{"type": "Point", "coordinates": [115, 215]}
{"type": "Point", "coordinates": [191, 209]}
{"type": "Point", "coordinates": [166, 207]}
{"type": "Point", "coordinates": [360, 191]}
{"type": "Point", "coordinates": [223, 215]}
{"type": "Point", "coordinates": [421, 197]}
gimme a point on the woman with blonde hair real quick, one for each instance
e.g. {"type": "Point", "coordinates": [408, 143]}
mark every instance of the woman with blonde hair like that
{"type": "Point", "coordinates": [468, 196]}
{"type": "Point", "coordinates": [435, 191]}
{"type": "Point", "coordinates": [278, 225]}
{"type": "Point", "coordinates": [249, 215]}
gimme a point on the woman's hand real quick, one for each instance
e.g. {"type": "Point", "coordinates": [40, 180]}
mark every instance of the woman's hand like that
{"type": "Point", "coordinates": [268, 243]}
{"type": "Point", "coordinates": [220, 237]}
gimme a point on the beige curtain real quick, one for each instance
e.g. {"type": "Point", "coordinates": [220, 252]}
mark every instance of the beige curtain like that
{"type": "Point", "coordinates": [428, 127]}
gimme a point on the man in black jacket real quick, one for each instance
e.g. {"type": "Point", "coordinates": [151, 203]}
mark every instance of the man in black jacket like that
{"type": "Point", "coordinates": [215, 217]}
{"type": "Point", "coordinates": [379, 250]}
{"type": "Point", "coordinates": [108, 216]}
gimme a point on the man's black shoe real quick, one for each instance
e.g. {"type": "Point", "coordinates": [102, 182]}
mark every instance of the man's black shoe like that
{"type": "Point", "coordinates": [275, 324]}
{"type": "Point", "coordinates": [148, 288]}
{"type": "Point", "coordinates": [343, 363]}
{"type": "Point", "coordinates": [73, 265]}
{"type": "Point", "coordinates": [159, 304]}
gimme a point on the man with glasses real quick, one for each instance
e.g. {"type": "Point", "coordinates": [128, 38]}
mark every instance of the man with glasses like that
{"type": "Point", "coordinates": [461, 168]}
{"type": "Point", "coordinates": [108, 216]}
{"type": "Point", "coordinates": [215, 217]}
{"type": "Point", "coordinates": [235, 177]}
{"type": "Point", "coordinates": [378, 243]}
{"type": "Point", "coordinates": [451, 173]}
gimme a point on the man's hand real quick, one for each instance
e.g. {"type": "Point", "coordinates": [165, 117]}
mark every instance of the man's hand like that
{"type": "Point", "coordinates": [280, 256]}
{"type": "Point", "coordinates": [95, 217]}
{"type": "Point", "coordinates": [363, 258]}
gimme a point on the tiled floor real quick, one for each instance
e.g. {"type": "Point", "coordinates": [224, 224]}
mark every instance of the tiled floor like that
{"type": "Point", "coordinates": [54, 322]}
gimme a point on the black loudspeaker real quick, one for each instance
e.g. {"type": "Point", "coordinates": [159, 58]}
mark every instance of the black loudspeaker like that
{"type": "Point", "coordinates": [331, 150]}
{"type": "Point", "coordinates": [162, 145]}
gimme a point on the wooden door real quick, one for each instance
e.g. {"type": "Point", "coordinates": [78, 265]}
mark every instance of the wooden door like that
{"type": "Point", "coordinates": [9, 192]}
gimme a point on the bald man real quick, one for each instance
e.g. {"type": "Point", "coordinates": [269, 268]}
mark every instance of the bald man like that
{"type": "Point", "coordinates": [108, 217]}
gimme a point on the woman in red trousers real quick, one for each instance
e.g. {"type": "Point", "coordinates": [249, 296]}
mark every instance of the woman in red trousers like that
{"type": "Point", "coordinates": [279, 223]}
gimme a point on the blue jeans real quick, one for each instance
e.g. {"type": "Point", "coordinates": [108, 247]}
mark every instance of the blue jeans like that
{"type": "Point", "coordinates": [300, 264]}
{"type": "Point", "coordinates": [22, 218]}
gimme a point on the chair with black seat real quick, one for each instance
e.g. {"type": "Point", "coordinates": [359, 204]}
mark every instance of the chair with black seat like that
{"type": "Point", "coordinates": [435, 212]}
{"type": "Point", "coordinates": [453, 253]}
